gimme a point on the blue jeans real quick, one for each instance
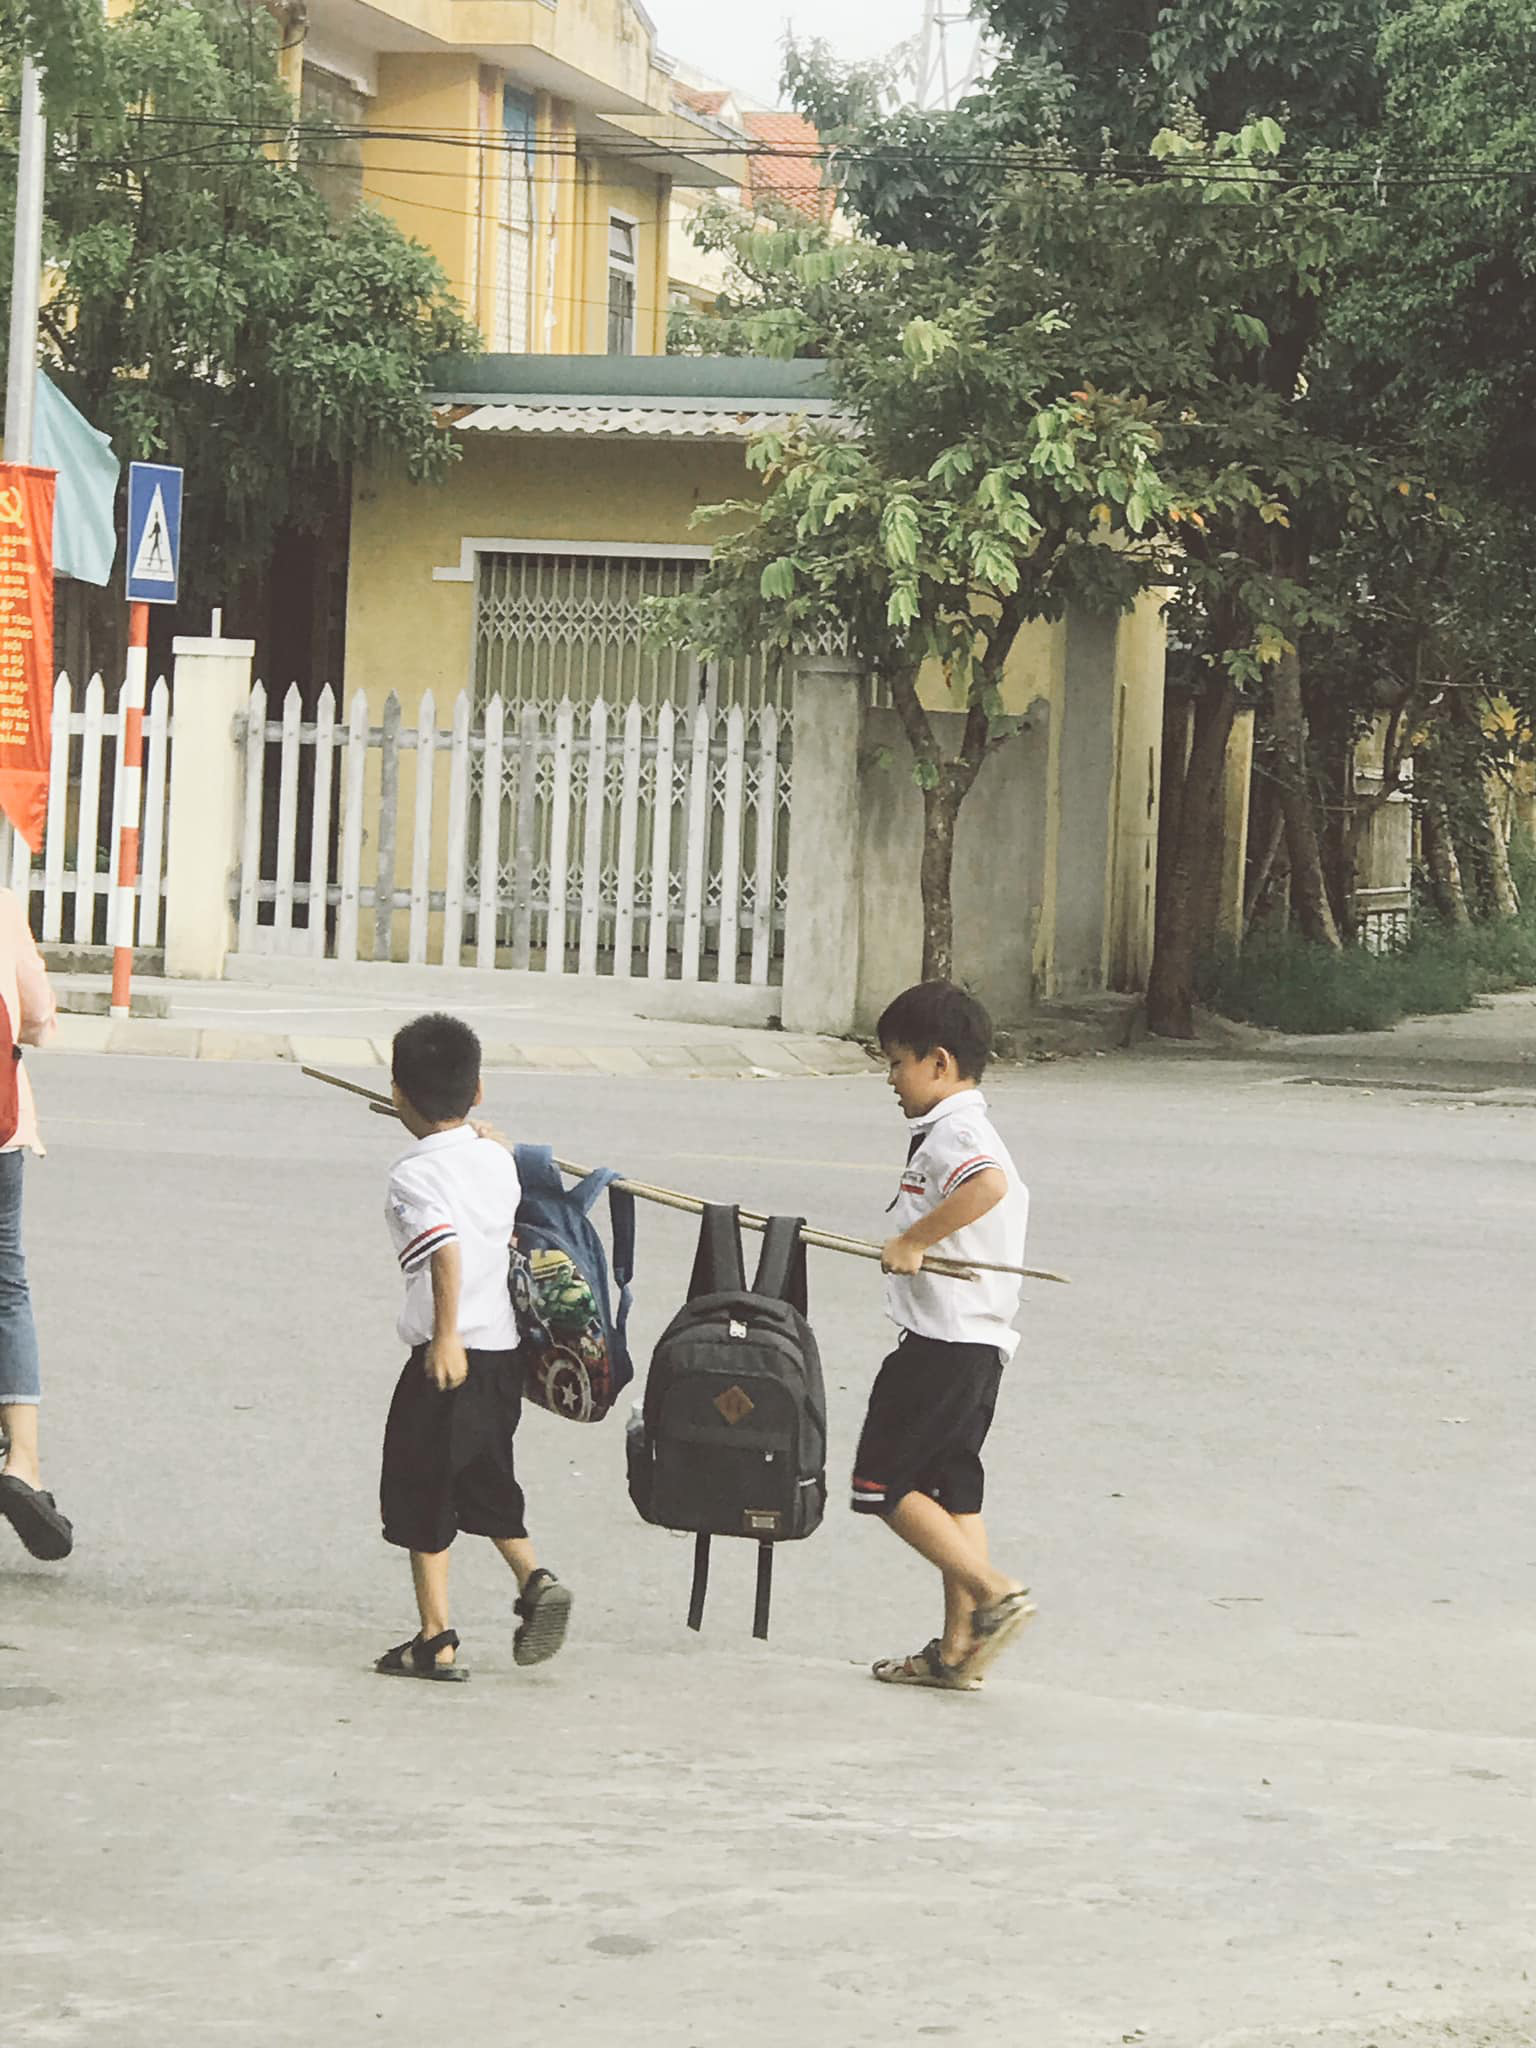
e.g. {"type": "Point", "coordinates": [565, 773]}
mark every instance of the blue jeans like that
{"type": "Point", "coordinates": [20, 1374]}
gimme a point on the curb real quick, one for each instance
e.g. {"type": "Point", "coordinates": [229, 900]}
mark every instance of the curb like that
{"type": "Point", "coordinates": [788, 1058]}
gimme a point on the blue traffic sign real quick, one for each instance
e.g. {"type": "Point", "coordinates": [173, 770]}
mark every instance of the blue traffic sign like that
{"type": "Point", "coordinates": [154, 533]}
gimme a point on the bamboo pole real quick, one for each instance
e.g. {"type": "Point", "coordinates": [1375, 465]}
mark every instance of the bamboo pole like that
{"type": "Point", "coordinates": [671, 1198]}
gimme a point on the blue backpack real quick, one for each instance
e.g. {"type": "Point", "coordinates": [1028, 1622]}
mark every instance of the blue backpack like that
{"type": "Point", "coordinates": [576, 1355]}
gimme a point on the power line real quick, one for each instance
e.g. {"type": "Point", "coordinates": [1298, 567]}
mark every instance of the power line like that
{"type": "Point", "coordinates": [1361, 169]}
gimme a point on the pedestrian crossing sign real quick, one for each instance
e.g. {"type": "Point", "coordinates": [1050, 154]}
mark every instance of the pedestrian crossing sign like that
{"type": "Point", "coordinates": [154, 533]}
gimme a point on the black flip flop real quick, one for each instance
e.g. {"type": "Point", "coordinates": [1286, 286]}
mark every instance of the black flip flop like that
{"type": "Point", "coordinates": [545, 1612]}
{"type": "Point", "coordinates": [36, 1519]}
{"type": "Point", "coordinates": [422, 1654]}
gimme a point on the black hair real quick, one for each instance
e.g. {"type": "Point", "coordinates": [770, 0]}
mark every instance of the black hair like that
{"type": "Point", "coordinates": [934, 1014]}
{"type": "Point", "coordinates": [436, 1067]}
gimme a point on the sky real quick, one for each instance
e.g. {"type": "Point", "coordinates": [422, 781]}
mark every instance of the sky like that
{"type": "Point", "coordinates": [738, 41]}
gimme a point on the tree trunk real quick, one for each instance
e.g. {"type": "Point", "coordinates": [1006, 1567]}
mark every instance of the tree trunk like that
{"type": "Point", "coordinates": [1183, 880]}
{"type": "Point", "coordinates": [941, 806]}
{"type": "Point", "coordinates": [1309, 886]}
{"type": "Point", "coordinates": [944, 784]}
{"type": "Point", "coordinates": [1262, 873]}
{"type": "Point", "coordinates": [1178, 715]}
{"type": "Point", "coordinates": [1506, 897]}
{"type": "Point", "coordinates": [1443, 866]}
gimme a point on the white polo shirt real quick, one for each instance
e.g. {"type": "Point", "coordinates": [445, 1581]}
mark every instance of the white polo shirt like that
{"type": "Point", "coordinates": [455, 1188]}
{"type": "Point", "coordinates": [949, 1146]}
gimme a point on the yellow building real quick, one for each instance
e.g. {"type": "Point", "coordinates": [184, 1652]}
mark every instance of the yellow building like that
{"type": "Point", "coordinates": [521, 578]}
{"type": "Point", "coordinates": [534, 148]}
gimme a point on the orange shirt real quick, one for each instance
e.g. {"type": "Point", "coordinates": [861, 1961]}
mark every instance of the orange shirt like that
{"type": "Point", "coordinates": [24, 985]}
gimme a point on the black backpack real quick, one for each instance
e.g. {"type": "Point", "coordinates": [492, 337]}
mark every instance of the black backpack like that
{"type": "Point", "coordinates": [732, 1438]}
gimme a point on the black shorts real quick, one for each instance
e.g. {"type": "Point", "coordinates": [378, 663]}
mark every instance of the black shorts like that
{"type": "Point", "coordinates": [929, 1412]}
{"type": "Point", "coordinates": [448, 1455]}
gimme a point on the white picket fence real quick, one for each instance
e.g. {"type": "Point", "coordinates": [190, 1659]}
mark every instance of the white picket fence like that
{"type": "Point", "coordinates": [635, 840]}
{"type": "Point", "coordinates": [69, 889]}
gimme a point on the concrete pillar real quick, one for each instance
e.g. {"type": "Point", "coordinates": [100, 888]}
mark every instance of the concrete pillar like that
{"type": "Point", "coordinates": [821, 940]}
{"type": "Point", "coordinates": [1085, 836]}
{"type": "Point", "coordinates": [210, 687]}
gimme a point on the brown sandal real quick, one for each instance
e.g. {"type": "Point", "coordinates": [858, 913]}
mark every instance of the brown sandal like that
{"type": "Point", "coordinates": [996, 1627]}
{"type": "Point", "coordinates": [924, 1667]}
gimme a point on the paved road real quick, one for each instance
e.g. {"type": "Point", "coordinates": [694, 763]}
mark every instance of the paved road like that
{"type": "Point", "coordinates": [1260, 1776]}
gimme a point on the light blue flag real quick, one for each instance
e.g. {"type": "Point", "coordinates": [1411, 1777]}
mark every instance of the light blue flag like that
{"type": "Point", "coordinates": [85, 505]}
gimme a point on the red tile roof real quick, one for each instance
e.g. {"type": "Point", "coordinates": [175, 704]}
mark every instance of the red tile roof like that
{"type": "Point", "coordinates": [790, 169]}
{"type": "Point", "coordinates": [702, 102]}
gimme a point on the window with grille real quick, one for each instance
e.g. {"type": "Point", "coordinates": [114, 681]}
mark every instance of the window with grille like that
{"type": "Point", "coordinates": [622, 275]}
{"type": "Point", "coordinates": [554, 626]}
{"type": "Point", "coordinates": [333, 162]}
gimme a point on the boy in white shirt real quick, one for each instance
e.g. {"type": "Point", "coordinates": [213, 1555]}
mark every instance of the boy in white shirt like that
{"type": "Point", "coordinates": [919, 1458]}
{"type": "Point", "coordinates": [452, 1210]}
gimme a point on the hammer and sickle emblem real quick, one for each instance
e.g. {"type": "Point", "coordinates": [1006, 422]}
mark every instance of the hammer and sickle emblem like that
{"type": "Point", "coordinates": [11, 512]}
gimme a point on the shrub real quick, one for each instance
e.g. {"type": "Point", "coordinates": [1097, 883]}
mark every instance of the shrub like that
{"type": "Point", "coordinates": [1436, 972]}
{"type": "Point", "coordinates": [1285, 981]}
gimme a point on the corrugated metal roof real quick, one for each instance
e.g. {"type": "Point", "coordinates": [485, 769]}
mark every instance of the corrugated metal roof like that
{"type": "Point", "coordinates": [741, 383]}
{"type": "Point", "coordinates": [627, 422]}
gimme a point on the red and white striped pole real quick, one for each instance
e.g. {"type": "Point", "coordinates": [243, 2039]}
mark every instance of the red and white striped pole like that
{"type": "Point", "coordinates": [131, 753]}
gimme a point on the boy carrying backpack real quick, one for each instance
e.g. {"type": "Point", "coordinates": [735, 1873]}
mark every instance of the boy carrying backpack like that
{"type": "Point", "coordinates": [918, 1464]}
{"type": "Point", "coordinates": [448, 1465]}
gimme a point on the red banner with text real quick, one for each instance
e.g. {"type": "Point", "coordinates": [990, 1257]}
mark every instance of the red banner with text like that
{"type": "Point", "coordinates": [26, 646]}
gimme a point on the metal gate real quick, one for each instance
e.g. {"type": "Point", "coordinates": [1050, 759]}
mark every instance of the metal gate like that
{"type": "Point", "coordinates": [624, 839]}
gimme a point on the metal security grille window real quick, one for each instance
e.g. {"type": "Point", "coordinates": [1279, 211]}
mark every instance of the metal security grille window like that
{"type": "Point", "coordinates": [549, 627]}
{"type": "Point", "coordinates": [622, 273]}
{"type": "Point", "coordinates": [514, 228]}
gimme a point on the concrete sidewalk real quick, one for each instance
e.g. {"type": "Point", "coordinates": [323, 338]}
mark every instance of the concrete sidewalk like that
{"type": "Point", "coordinates": [1489, 1050]}
{"type": "Point", "coordinates": [558, 1027]}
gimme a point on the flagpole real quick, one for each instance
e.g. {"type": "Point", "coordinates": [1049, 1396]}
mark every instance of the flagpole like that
{"type": "Point", "coordinates": [26, 269]}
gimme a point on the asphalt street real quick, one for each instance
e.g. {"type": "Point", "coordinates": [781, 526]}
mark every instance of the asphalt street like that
{"type": "Point", "coordinates": [1260, 1775]}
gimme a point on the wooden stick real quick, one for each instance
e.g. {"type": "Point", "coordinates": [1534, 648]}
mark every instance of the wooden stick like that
{"type": "Point", "coordinates": [670, 1198]}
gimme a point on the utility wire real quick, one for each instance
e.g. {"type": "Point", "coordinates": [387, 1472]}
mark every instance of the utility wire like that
{"type": "Point", "coordinates": [1358, 169]}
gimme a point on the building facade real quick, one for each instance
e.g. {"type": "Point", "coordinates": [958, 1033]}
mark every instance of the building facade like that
{"type": "Point", "coordinates": [535, 149]}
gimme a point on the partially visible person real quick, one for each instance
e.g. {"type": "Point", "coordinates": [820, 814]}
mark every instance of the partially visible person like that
{"type": "Point", "coordinates": [29, 1015]}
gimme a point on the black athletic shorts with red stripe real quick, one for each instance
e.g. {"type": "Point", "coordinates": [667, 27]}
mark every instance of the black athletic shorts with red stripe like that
{"type": "Point", "coordinates": [929, 1412]}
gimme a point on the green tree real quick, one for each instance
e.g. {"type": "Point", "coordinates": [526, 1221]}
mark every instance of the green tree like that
{"type": "Point", "coordinates": [1432, 337]}
{"type": "Point", "coordinates": [207, 309]}
{"type": "Point", "coordinates": [1082, 94]}
{"type": "Point", "coordinates": [65, 37]}
{"type": "Point", "coordinates": [1010, 461]}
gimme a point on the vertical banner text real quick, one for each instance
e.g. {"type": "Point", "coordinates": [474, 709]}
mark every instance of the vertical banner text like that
{"type": "Point", "coordinates": [26, 646]}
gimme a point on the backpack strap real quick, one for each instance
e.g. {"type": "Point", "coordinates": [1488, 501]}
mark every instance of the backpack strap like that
{"type": "Point", "coordinates": [781, 1269]}
{"type": "Point", "coordinates": [717, 1266]}
{"type": "Point", "coordinates": [621, 1222]}
{"type": "Point", "coordinates": [764, 1591]}
{"type": "Point", "coordinates": [700, 1586]}
{"type": "Point", "coordinates": [537, 1171]}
